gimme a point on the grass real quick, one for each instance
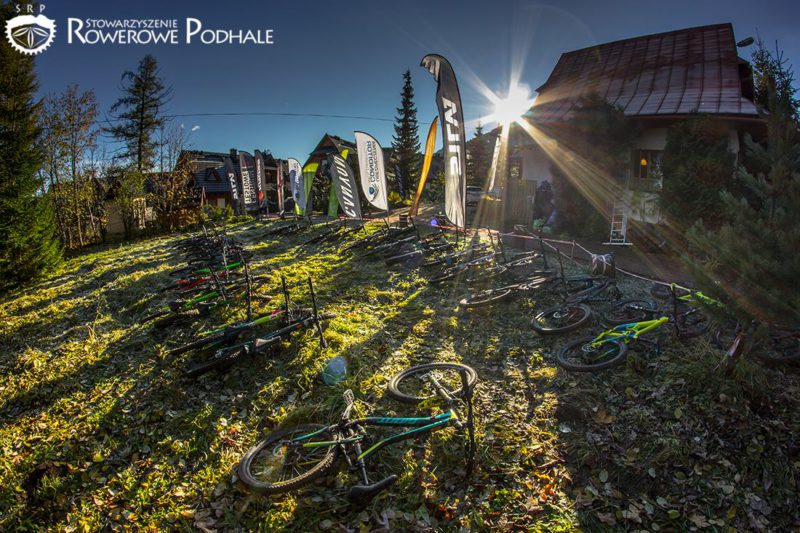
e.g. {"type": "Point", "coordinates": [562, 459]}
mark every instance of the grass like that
{"type": "Point", "coordinates": [100, 430]}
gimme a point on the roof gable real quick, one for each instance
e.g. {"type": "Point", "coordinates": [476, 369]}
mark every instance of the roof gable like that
{"type": "Point", "coordinates": [673, 73]}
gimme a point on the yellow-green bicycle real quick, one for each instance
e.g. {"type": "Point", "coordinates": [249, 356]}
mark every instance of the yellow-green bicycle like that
{"type": "Point", "coordinates": [607, 349]}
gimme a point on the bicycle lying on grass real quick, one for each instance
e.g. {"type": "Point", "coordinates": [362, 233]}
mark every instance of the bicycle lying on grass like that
{"type": "Point", "coordinates": [223, 358]}
{"type": "Point", "coordinates": [685, 310]}
{"type": "Point", "coordinates": [284, 315]}
{"type": "Point", "coordinates": [294, 457]}
{"type": "Point", "coordinates": [607, 349]}
{"type": "Point", "coordinates": [775, 346]}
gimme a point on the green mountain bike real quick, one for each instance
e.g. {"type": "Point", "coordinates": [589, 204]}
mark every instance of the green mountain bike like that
{"type": "Point", "coordinates": [294, 457]}
{"type": "Point", "coordinates": [607, 349]}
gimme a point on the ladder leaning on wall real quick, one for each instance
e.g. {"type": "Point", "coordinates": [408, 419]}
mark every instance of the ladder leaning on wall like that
{"type": "Point", "coordinates": [619, 224]}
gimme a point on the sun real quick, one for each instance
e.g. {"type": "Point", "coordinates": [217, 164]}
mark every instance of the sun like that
{"type": "Point", "coordinates": [511, 108]}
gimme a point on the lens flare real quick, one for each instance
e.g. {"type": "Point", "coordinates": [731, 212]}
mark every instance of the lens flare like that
{"type": "Point", "coordinates": [512, 107]}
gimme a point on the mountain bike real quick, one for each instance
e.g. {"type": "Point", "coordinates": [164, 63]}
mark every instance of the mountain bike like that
{"type": "Point", "coordinates": [573, 311]}
{"type": "Point", "coordinates": [685, 311]}
{"type": "Point", "coordinates": [294, 457]}
{"type": "Point", "coordinates": [609, 348]}
{"type": "Point", "coordinates": [774, 346]}
{"type": "Point", "coordinates": [227, 356]}
{"type": "Point", "coordinates": [284, 315]}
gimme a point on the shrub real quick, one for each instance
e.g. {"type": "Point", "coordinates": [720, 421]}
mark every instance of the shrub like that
{"type": "Point", "coordinates": [697, 165]}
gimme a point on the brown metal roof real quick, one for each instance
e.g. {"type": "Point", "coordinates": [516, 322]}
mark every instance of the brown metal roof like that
{"type": "Point", "coordinates": [673, 73]}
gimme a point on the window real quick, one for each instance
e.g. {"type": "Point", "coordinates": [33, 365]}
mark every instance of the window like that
{"type": "Point", "coordinates": [646, 172]}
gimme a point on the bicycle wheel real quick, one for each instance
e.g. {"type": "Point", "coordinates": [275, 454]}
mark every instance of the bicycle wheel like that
{"type": "Point", "coordinates": [523, 262]}
{"type": "Point", "coordinates": [633, 310]}
{"type": "Point", "coordinates": [782, 349]}
{"type": "Point", "coordinates": [562, 318]}
{"type": "Point", "coordinates": [691, 321]}
{"type": "Point", "coordinates": [276, 464]}
{"type": "Point", "coordinates": [410, 385]}
{"type": "Point", "coordinates": [580, 356]}
{"type": "Point", "coordinates": [484, 298]}
{"type": "Point", "coordinates": [660, 291]}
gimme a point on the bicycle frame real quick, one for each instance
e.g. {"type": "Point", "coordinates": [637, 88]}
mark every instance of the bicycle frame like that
{"type": "Point", "coordinates": [418, 425]}
{"type": "Point", "coordinates": [627, 332]}
{"type": "Point", "coordinates": [693, 296]}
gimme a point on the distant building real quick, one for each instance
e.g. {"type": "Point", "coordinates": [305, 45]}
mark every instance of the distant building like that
{"type": "Point", "coordinates": [211, 181]}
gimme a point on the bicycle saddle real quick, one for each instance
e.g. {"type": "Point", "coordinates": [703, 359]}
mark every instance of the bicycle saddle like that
{"type": "Point", "coordinates": [362, 494]}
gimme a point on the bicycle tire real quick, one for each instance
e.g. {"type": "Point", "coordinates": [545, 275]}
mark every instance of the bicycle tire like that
{"type": "Point", "coordinates": [616, 354]}
{"type": "Point", "coordinates": [780, 350]}
{"type": "Point", "coordinates": [403, 257]}
{"type": "Point", "coordinates": [486, 274]}
{"type": "Point", "coordinates": [250, 480]}
{"type": "Point", "coordinates": [691, 321]}
{"type": "Point", "coordinates": [485, 298]}
{"type": "Point", "coordinates": [725, 334]}
{"type": "Point", "coordinates": [660, 291]}
{"type": "Point", "coordinates": [630, 310]}
{"type": "Point", "coordinates": [575, 314]}
{"type": "Point", "coordinates": [393, 388]}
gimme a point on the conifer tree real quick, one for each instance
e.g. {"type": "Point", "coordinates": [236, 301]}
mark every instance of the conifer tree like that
{"type": "Point", "coordinates": [28, 244]}
{"type": "Point", "coordinates": [139, 109]}
{"type": "Point", "coordinates": [751, 260]}
{"type": "Point", "coordinates": [405, 144]}
{"type": "Point", "coordinates": [696, 165]}
{"type": "Point", "coordinates": [479, 152]}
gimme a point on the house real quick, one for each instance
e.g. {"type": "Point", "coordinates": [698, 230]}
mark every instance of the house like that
{"type": "Point", "coordinates": [656, 80]}
{"type": "Point", "coordinates": [210, 177]}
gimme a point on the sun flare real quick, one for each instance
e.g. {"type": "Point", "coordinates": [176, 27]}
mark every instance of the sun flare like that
{"type": "Point", "coordinates": [510, 109]}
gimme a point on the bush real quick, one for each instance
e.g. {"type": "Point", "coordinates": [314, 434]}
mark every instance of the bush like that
{"type": "Point", "coordinates": [697, 165]}
{"type": "Point", "coordinates": [594, 147]}
{"type": "Point", "coordinates": [752, 259]}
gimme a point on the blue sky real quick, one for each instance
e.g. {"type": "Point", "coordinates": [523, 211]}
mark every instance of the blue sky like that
{"type": "Point", "coordinates": [347, 57]}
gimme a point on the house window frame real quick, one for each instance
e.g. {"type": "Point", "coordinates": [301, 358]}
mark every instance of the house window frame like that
{"type": "Point", "coordinates": [649, 177]}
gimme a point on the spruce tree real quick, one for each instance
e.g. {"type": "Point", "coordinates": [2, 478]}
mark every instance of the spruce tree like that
{"type": "Point", "coordinates": [751, 261]}
{"type": "Point", "coordinates": [28, 244]}
{"type": "Point", "coordinates": [771, 72]}
{"type": "Point", "coordinates": [697, 165]}
{"type": "Point", "coordinates": [139, 109]}
{"type": "Point", "coordinates": [589, 176]}
{"type": "Point", "coordinates": [479, 160]}
{"type": "Point", "coordinates": [405, 144]}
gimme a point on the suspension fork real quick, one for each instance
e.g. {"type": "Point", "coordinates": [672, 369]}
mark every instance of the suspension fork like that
{"type": "Point", "coordinates": [249, 281]}
{"type": "Point", "coordinates": [466, 392]}
{"type": "Point", "coordinates": [360, 465]}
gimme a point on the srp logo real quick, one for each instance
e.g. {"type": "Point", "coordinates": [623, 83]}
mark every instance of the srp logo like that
{"type": "Point", "coordinates": [28, 33]}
